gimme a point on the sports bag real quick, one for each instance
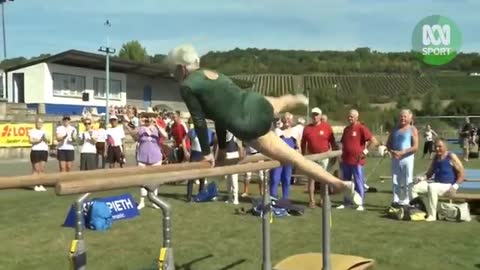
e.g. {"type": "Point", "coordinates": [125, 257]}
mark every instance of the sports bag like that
{"type": "Point", "coordinates": [100, 216]}
{"type": "Point", "coordinates": [453, 212]}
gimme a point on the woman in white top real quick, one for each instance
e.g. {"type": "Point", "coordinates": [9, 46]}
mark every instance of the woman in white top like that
{"type": "Point", "coordinates": [428, 144]}
{"type": "Point", "coordinates": [66, 135]}
{"type": "Point", "coordinates": [88, 152]}
{"type": "Point", "coordinates": [39, 153]}
{"type": "Point", "coordinates": [101, 134]}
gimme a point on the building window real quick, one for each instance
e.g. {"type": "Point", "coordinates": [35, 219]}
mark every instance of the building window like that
{"type": "Point", "coordinates": [68, 85]}
{"type": "Point", "coordinates": [115, 88]}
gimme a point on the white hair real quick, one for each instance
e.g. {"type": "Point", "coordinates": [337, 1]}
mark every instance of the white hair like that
{"type": "Point", "coordinates": [185, 55]}
{"type": "Point", "coordinates": [407, 111]}
{"type": "Point", "coordinates": [355, 112]}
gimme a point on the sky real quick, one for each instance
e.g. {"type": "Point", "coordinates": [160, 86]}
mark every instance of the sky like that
{"type": "Point", "coordinates": [34, 27]}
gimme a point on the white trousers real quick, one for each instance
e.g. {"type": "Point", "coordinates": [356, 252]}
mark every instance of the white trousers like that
{"type": "Point", "coordinates": [402, 178]}
{"type": "Point", "coordinates": [143, 191]}
{"type": "Point", "coordinates": [433, 190]}
{"type": "Point", "coordinates": [232, 180]}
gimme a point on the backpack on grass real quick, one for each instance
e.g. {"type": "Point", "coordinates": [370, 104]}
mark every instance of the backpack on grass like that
{"type": "Point", "coordinates": [100, 216]}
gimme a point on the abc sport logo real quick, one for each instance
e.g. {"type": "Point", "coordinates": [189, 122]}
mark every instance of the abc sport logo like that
{"type": "Point", "coordinates": [436, 40]}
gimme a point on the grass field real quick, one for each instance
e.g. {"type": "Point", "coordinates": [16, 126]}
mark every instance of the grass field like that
{"type": "Point", "coordinates": [210, 236]}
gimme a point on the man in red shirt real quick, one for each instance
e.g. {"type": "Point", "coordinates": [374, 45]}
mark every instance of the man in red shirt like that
{"type": "Point", "coordinates": [317, 138]}
{"type": "Point", "coordinates": [179, 132]}
{"type": "Point", "coordinates": [356, 140]}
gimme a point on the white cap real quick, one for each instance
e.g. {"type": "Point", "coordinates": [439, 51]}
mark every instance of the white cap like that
{"type": "Point", "coordinates": [316, 110]}
{"type": "Point", "coordinates": [113, 117]}
{"type": "Point", "coordinates": [183, 55]}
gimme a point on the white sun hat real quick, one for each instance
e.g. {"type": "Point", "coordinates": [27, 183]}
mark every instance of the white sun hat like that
{"type": "Point", "coordinates": [184, 54]}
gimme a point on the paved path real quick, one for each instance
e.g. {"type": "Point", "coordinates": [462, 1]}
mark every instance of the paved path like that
{"type": "Point", "coordinates": [23, 167]}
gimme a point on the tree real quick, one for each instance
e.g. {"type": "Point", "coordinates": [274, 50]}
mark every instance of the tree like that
{"type": "Point", "coordinates": [134, 51]}
{"type": "Point", "coordinates": [157, 58]}
{"type": "Point", "coordinates": [431, 103]}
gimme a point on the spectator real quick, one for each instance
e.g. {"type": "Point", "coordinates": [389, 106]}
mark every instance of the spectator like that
{"type": "Point", "coordinates": [402, 144]}
{"type": "Point", "coordinates": [278, 126]}
{"type": "Point", "coordinates": [196, 155]}
{"type": "Point", "coordinates": [428, 144]}
{"type": "Point", "coordinates": [66, 135]}
{"type": "Point", "coordinates": [88, 152]}
{"type": "Point", "coordinates": [324, 118]}
{"type": "Point", "coordinates": [101, 134]}
{"type": "Point", "coordinates": [298, 129]}
{"type": "Point", "coordinates": [132, 116]}
{"type": "Point", "coordinates": [317, 138]}
{"type": "Point", "coordinates": [39, 152]}
{"type": "Point", "coordinates": [179, 133]}
{"type": "Point", "coordinates": [250, 151]}
{"type": "Point", "coordinates": [233, 150]}
{"type": "Point", "coordinates": [465, 138]}
{"type": "Point", "coordinates": [148, 150]}
{"type": "Point", "coordinates": [283, 173]}
{"type": "Point", "coordinates": [115, 143]}
{"type": "Point", "coordinates": [356, 139]}
{"type": "Point", "coordinates": [447, 172]}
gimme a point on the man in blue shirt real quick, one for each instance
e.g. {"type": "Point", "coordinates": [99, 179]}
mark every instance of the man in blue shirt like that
{"type": "Point", "coordinates": [447, 172]}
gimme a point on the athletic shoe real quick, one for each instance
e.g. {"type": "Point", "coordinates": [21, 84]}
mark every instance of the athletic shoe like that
{"type": "Point", "coordinates": [155, 206]}
{"type": "Point", "coordinates": [141, 205]}
{"type": "Point", "coordinates": [341, 206]}
{"type": "Point", "coordinates": [360, 208]}
{"type": "Point", "coordinates": [39, 188]}
{"type": "Point", "coordinates": [430, 218]}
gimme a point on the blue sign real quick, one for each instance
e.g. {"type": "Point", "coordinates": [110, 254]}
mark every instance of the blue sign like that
{"type": "Point", "coordinates": [122, 206]}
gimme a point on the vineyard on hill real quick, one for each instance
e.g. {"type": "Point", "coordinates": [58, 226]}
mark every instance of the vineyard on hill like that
{"type": "Point", "coordinates": [380, 88]}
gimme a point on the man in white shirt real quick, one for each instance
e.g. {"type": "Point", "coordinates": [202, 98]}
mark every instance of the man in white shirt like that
{"type": "Point", "coordinates": [66, 135]}
{"type": "Point", "coordinates": [115, 146]}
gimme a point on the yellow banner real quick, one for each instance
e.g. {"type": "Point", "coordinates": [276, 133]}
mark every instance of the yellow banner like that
{"type": "Point", "coordinates": [16, 135]}
{"type": "Point", "coordinates": [81, 127]}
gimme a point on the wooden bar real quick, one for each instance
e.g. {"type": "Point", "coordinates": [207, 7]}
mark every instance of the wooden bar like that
{"type": "Point", "coordinates": [51, 179]}
{"type": "Point", "coordinates": [110, 183]}
{"type": "Point", "coordinates": [260, 157]}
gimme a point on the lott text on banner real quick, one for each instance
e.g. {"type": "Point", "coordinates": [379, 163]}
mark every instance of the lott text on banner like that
{"type": "Point", "coordinates": [16, 135]}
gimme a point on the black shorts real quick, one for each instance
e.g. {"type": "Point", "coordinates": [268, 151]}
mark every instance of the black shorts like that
{"type": "Point", "coordinates": [100, 148]}
{"type": "Point", "coordinates": [179, 154]}
{"type": "Point", "coordinates": [114, 154]}
{"type": "Point", "coordinates": [66, 155]}
{"type": "Point", "coordinates": [38, 156]}
{"type": "Point", "coordinates": [428, 147]}
{"type": "Point", "coordinates": [88, 161]}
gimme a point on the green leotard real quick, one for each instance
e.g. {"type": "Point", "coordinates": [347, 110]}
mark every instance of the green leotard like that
{"type": "Point", "coordinates": [245, 113]}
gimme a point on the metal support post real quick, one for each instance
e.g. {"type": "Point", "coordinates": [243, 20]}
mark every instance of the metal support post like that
{"type": "Point", "coordinates": [78, 249]}
{"type": "Point", "coordinates": [267, 262]}
{"type": "Point", "coordinates": [326, 212]}
{"type": "Point", "coordinates": [165, 259]}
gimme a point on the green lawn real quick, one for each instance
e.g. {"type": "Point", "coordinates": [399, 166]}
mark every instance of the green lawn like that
{"type": "Point", "coordinates": [212, 237]}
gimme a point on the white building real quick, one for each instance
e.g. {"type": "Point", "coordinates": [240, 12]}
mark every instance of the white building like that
{"type": "Point", "coordinates": [59, 82]}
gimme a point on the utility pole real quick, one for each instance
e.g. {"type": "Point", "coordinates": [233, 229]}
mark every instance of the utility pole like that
{"type": "Point", "coordinates": [107, 50]}
{"type": "Point", "coordinates": [3, 28]}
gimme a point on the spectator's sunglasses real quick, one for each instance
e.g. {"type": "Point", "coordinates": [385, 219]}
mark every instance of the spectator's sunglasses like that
{"type": "Point", "coordinates": [88, 123]}
{"type": "Point", "coordinates": [315, 114]}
